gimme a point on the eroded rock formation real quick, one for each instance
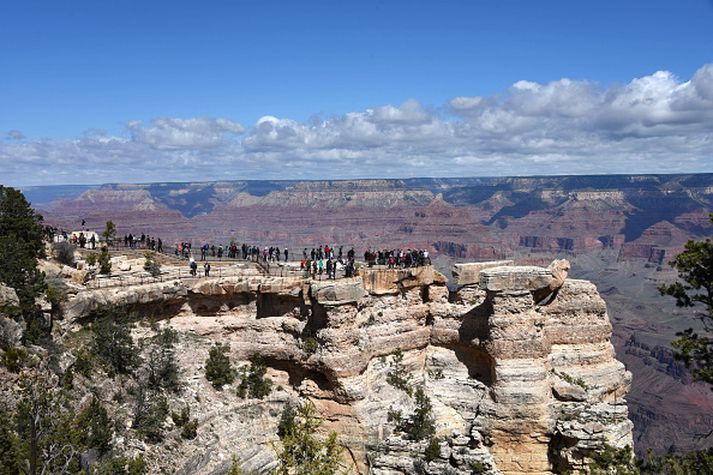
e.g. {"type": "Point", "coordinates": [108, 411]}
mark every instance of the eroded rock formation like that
{"type": "Point", "coordinates": [515, 386]}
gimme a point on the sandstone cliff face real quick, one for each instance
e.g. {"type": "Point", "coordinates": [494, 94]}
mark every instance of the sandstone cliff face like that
{"type": "Point", "coordinates": [518, 365]}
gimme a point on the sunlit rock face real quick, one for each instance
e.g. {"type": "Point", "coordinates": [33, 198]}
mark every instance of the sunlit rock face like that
{"type": "Point", "coordinates": [517, 364]}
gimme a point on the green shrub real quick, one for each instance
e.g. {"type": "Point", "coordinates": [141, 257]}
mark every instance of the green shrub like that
{"type": "Point", "coordinates": [64, 252]}
{"type": "Point", "coordinates": [310, 345]}
{"type": "Point", "coordinates": [180, 419]}
{"type": "Point", "coordinates": [161, 363]}
{"type": "Point", "coordinates": [397, 376]}
{"type": "Point", "coordinates": [418, 426]}
{"type": "Point", "coordinates": [13, 358]}
{"type": "Point", "coordinates": [92, 259]}
{"type": "Point", "coordinates": [121, 465]}
{"type": "Point", "coordinates": [151, 265]}
{"type": "Point", "coordinates": [150, 412]}
{"type": "Point", "coordinates": [287, 420]}
{"type": "Point", "coordinates": [190, 430]}
{"type": "Point", "coordinates": [84, 362]}
{"type": "Point", "coordinates": [253, 381]}
{"type": "Point", "coordinates": [104, 261]}
{"type": "Point", "coordinates": [697, 461]}
{"type": "Point", "coordinates": [433, 450]}
{"type": "Point", "coordinates": [301, 453]}
{"type": "Point", "coordinates": [394, 415]}
{"type": "Point", "coordinates": [9, 461]}
{"type": "Point", "coordinates": [93, 427]}
{"type": "Point", "coordinates": [218, 369]}
{"type": "Point", "coordinates": [112, 342]}
{"type": "Point", "coordinates": [614, 460]}
{"type": "Point", "coordinates": [422, 423]}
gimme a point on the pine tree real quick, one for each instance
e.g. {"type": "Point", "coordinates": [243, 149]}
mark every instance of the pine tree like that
{"type": "Point", "coordinates": [21, 244]}
{"type": "Point", "coordinates": [695, 289]}
{"type": "Point", "coordinates": [218, 369]}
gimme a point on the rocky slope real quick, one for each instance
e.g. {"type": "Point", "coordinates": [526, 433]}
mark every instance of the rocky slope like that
{"type": "Point", "coordinates": [517, 363]}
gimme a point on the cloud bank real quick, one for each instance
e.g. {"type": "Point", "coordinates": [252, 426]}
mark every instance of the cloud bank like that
{"type": "Point", "coordinates": [653, 124]}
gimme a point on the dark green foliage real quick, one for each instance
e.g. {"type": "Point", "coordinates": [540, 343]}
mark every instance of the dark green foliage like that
{"type": "Point", "coordinates": [109, 232]}
{"type": "Point", "coordinates": [311, 345]}
{"type": "Point", "coordinates": [150, 412]}
{"type": "Point", "coordinates": [287, 420]}
{"type": "Point", "coordinates": [190, 430]}
{"type": "Point", "coordinates": [120, 465]}
{"type": "Point", "coordinates": [161, 362]}
{"type": "Point", "coordinates": [151, 265]}
{"type": "Point", "coordinates": [92, 258]}
{"type": "Point", "coordinates": [9, 463]}
{"type": "Point", "coordinates": [21, 244]}
{"type": "Point", "coordinates": [43, 427]}
{"type": "Point", "coordinates": [68, 379]}
{"type": "Point", "coordinates": [253, 382]}
{"type": "Point", "coordinates": [180, 419]}
{"type": "Point", "coordinates": [433, 450]}
{"type": "Point", "coordinates": [397, 376]}
{"type": "Point", "coordinates": [696, 462]}
{"type": "Point", "coordinates": [477, 468]}
{"type": "Point", "coordinates": [13, 358]}
{"type": "Point", "coordinates": [614, 460]}
{"type": "Point", "coordinates": [695, 288]}
{"type": "Point", "coordinates": [112, 342]}
{"type": "Point", "coordinates": [301, 453]}
{"type": "Point", "coordinates": [422, 423]}
{"type": "Point", "coordinates": [64, 252]}
{"type": "Point", "coordinates": [394, 415]}
{"type": "Point", "coordinates": [93, 427]}
{"type": "Point", "coordinates": [84, 362]}
{"type": "Point", "coordinates": [104, 261]}
{"type": "Point", "coordinates": [218, 369]}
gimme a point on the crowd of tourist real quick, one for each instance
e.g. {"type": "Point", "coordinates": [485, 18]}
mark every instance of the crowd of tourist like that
{"type": "Point", "coordinates": [397, 258]}
{"type": "Point", "coordinates": [144, 242]}
{"type": "Point", "coordinates": [322, 260]}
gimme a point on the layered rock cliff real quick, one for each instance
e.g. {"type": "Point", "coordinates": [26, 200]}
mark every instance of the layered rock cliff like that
{"type": "Point", "coordinates": [517, 364]}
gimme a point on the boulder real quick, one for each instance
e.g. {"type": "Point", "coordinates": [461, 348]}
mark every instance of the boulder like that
{"type": "Point", "coordinates": [515, 279]}
{"type": "Point", "coordinates": [380, 281]}
{"type": "Point", "coordinates": [468, 273]}
{"type": "Point", "coordinates": [338, 292]}
{"type": "Point", "coordinates": [8, 296]}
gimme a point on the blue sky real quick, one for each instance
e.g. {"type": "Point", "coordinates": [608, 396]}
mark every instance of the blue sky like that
{"type": "Point", "coordinates": [154, 82]}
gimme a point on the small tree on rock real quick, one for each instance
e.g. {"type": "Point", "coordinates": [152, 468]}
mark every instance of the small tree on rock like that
{"type": "Point", "coordinates": [218, 369]}
{"type": "Point", "coordinates": [109, 232]}
{"type": "Point", "coordinates": [104, 261]}
{"type": "Point", "coordinates": [151, 265]}
{"type": "Point", "coordinates": [301, 452]}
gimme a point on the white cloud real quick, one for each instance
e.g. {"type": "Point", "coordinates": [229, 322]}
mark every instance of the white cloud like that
{"type": "Point", "coordinates": [653, 124]}
{"type": "Point", "coordinates": [173, 134]}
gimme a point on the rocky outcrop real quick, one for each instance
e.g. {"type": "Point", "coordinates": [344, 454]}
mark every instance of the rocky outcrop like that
{"type": "Point", "coordinates": [468, 273]}
{"type": "Point", "coordinates": [10, 330]}
{"type": "Point", "coordinates": [516, 385]}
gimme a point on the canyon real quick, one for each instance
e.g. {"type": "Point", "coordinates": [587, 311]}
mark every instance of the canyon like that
{"type": "Point", "coordinates": [618, 232]}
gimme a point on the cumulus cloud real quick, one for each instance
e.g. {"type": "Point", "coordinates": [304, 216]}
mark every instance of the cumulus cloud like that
{"type": "Point", "coordinates": [656, 123]}
{"type": "Point", "coordinates": [173, 134]}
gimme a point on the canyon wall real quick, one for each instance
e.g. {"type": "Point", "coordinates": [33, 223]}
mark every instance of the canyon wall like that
{"type": "Point", "coordinates": [517, 363]}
